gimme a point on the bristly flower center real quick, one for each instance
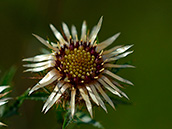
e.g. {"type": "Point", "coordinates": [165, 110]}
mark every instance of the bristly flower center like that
{"type": "Point", "coordinates": [79, 62]}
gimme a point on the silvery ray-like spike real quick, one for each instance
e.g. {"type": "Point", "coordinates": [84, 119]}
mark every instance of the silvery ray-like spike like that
{"type": "Point", "coordinates": [105, 96]}
{"type": "Point", "coordinates": [123, 49]}
{"type": "Point", "coordinates": [58, 35]}
{"type": "Point", "coordinates": [66, 31]}
{"type": "Point", "coordinates": [55, 99]}
{"type": "Point", "coordinates": [118, 51]}
{"type": "Point", "coordinates": [2, 124]}
{"type": "Point", "coordinates": [96, 30]}
{"type": "Point", "coordinates": [72, 102]}
{"type": "Point", "coordinates": [92, 31]}
{"type": "Point", "coordinates": [38, 86]}
{"type": "Point", "coordinates": [84, 95]}
{"type": "Point", "coordinates": [117, 77]}
{"type": "Point", "coordinates": [118, 66]}
{"type": "Point", "coordinates": [50, 98]}
{"type": "Point", "coordinates": [105, 79]}
{"type": "Point", "coordinates": [2, 88]}
{"type": "Point", "coordinates": [107, 42]}
{"type": "Point", "coordinates": [38, 69]}
{"type": "Point", "coordinates": [39, 58]}
{"type": "Point", "coordinates": [93, 97]}
{"type": "Point", "coordinates": [120, 56]}
{"type": "Point", "coordinates": [116, 83]}
{"type": "Point", "coordinates": [83, 31]}
{"type": "Point", "coordinates": [46, 80]}
{"type": "Point", "coordinates": [45, 42]}
{"type": "Point", "coordinates": [109, 88]}
{"type": "Point", "coordinates": [4, 101]}
{"type": "Point", "coordinates": [39, 64]}
{"type": "Point", "coordinates": [98, 97]}
{"type": "Point", "coordinates": [52, 43]}
{"type": "Point", "coordinates": [74, 33]}
{"type": "Point", "coordinates": [111, 50]}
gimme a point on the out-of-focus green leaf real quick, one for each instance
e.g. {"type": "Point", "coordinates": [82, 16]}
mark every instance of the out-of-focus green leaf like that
{"type": "Point", "coordinates": [8, 76]}
{"type": "Point", "coordinates": [82, 118]}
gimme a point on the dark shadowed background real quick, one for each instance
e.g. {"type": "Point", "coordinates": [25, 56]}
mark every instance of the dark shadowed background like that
{"type": "Point", "coordinates": [146, 24]}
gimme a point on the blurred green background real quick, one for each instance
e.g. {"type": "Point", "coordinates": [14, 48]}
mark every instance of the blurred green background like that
{"type": "Point", "coordinates": [146, 24]}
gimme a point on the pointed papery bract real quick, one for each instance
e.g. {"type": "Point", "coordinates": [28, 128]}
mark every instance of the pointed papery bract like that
{"type": "Point", "coordinates": [2, 124]}
{"type": "Point", "coordinates": [2, 88]}
{"type": "Point", "coordinates": [59, 94]}
{"type": "Point", "coordinates": [98, 97]}
{"type": "Point", "coordinates": [111, 50]}
{"type": "Point", "coordinates": [104, 94]}
{"type": "Point", "coordinates": [107, 42]}
{"type": "Point", "coordinates": [66, 31]}
{"type": "Point", "coordinates": [44, 42]}
{"type": "Point", "coordinates": [72, 102]}
{"type": "Point", "coordinates": [118, 51]}
{"type": "Point", "coordinates": [118, 66]}
{"type": "Point", "coordinates": [105, 79]}
{"type": "Point", "coordinates": [58, 35]}
{"type": "Point", "coordinates": [92, 31]}
{"type": "Point", "coordinates": [38, 69]}
{"type": "Point", "coordinates": [117, 77]}
{"type": "Point", "coordinates": [55, 45]}
{"type": "Point", "coordinates": [83, 31]}
{"type": "Point", "coordinates": [120, 56]}
{"type": "Point", "coordinates": [96, 31]}
{"type": "Point", "coordinates": [3, 102]}
{"type": "Point", "coordinates": [122, 49]}
{"type": "Point", "coordinates": [92, 95]}
{"type": "Point", "coordinates": [39, 64]}
{"type": "Point", "coordinates": [48, 79]}
{"type": "Point", "coordinates": [39, 58]}
{"type": "Point", "coordinates": [55, 91]}
{"type": "Point", "coordinates": [108, 87]}
{"type": "Point", "coordinates": [74, 33]}
{"type": "Point", "coordinates": [84, 95]}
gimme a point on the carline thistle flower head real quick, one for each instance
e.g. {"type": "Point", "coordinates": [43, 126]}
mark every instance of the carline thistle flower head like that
{"type": "Point", "coordinates": [79, 68]}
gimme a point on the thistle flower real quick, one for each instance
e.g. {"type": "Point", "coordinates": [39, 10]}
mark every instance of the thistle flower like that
{"type": "Point", "coordinates": [3, 100]}
{"type": "Point", "coordinates": [80, 69]}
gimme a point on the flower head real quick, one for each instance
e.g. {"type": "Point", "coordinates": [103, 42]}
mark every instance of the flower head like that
{"type": "Point", "coordinates": [80, 69]}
